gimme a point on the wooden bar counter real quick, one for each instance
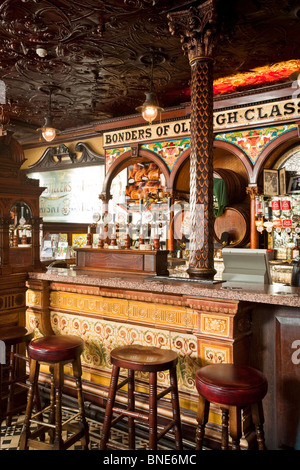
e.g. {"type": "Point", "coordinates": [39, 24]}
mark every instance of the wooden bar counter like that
{"type": "Point", "coordinates": [205, 323]}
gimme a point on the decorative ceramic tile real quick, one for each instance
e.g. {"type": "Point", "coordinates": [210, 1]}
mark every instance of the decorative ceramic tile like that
{"type": "Point", "coordinates": [34, 298]}
{"type": "Point", "coordinates": [158, 314]}
{"type": "Point", "coordinates": [101, 337]}
{"type": "Point", "coordinates": [254, 141]}
{"type": "Point", "coordinates": [112, 154]}
{"type": "Point", "coordinates": [213, 354]}
{"type": "Point", "coordinates": [170, 150]}
{"type": "Point", "coordinates": [214, 325]}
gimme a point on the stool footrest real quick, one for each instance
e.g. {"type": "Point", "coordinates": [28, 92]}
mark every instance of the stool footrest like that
{"type": "Point", "coordinates": [121, 384]}
{"type": "Point", "coordinates": [166, 429]}
{"type": "Point", "coordinates": [142, 405]}
{"type": "Point", "coordinates": [131, 414]}
{"type": "Point", "coordinates": [164, 392]}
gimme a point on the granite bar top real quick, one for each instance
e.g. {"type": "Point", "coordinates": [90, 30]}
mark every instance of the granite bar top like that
{"type": "Point", "coordinates": [276, 294]}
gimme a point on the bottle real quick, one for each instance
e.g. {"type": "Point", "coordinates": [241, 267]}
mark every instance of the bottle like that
{"type": "Point", "coordinates": [259, 212]}
{"type": "Point", "coordinates": [268, 210]}
{"type": "Point", "coordinates": [276, 207]}
{"type": "Point", "coordinates": [296, 249]}
{"type": "Point", "coordinates": [259, 204]}
{"type": "Point", "coordinates": [22, 219]}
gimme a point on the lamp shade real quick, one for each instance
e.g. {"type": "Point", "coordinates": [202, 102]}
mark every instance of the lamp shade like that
{"type": "Point", "coordinates": [150, 108]}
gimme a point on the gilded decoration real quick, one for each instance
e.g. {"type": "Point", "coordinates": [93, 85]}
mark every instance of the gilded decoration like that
{"type": "Point", "coordinates": [101, 336]}
{"type": "Point", "coordinates": [214, 324]}
{"type": "Point", "coordinates": [158, 314]}
{"type": "Point", "coordinates": [33, 298]}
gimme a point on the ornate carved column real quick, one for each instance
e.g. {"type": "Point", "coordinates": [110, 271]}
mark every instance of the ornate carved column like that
{"type": "Point", "coordinates": [253, 191]}
{"type": "Point", "coordinates": [170, 196]}
{"type": "Point", "coordinates": [197, 29]}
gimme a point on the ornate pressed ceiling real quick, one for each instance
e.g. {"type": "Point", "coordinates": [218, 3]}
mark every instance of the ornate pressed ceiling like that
{"type": "Point", "coordinates": [96, 55]}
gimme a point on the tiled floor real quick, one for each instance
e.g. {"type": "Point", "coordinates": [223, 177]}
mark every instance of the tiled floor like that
{"type": "Point", "coordinates": [10, 436]}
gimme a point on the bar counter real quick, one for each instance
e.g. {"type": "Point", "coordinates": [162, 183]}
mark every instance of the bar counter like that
{"type": "Point", "coordinates": [205, 323]}
{"type": "Point", "coordinates": [271, 294]}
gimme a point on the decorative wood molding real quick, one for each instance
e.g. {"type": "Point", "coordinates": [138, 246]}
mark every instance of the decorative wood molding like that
{"type": "Point", "coordinates": [60, 157]}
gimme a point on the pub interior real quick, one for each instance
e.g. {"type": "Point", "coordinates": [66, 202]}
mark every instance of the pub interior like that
{"type": "Point", "coordinates": [133, 245]}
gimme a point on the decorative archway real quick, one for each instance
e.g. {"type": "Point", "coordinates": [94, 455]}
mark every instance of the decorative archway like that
{"type": "Point", "coordinates": [128, 158]}
{"type": "Point", "coordinates": [273, 151]}
{"type": "Point", "coordinates": [218, 144]}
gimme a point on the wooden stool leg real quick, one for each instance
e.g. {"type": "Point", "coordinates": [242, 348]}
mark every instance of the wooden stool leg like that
{"type": "Point", "coordinates": [202, 418]}
{"type": "Point", "coordinates": [33, 379]}
{"type": "Point", "coordinates": [258, 420]}
{"type": "Point", "coordinates": [51, 418]}
{"type": "Point", "coordinates": [176, 408]}
{"type": "Point", "coordinates": [224, 442]}
{"type": "Point", "coordinates": [11, 387]}
{"type": "Point", "coordinates": [152, 411]}
{"type": "Point", "coordinates": [1, 380]}
{"type": "Point", "coordinates": [109, 407]}
{"type": "Point", "coordinates": [235, 426]}
{"type": "Point", "coordinates": [131, 407]}
{"type": "Point", "coordinates": [77, 372]}
{"type": "Point", "coordinates": [58, 384]}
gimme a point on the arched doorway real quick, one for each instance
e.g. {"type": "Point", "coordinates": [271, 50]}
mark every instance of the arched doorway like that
{"type": "Point", "coordinates": [135, 191]}
{"type": "Point", "coordinates": [233, 167]}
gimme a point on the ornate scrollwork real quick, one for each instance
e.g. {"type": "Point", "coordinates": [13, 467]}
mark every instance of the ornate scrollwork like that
{"type": "Point", "coordinates": [61, 156]}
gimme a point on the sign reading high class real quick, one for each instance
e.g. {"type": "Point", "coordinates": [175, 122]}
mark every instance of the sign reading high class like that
{"type": "Point", "coordinates": [250, 116]}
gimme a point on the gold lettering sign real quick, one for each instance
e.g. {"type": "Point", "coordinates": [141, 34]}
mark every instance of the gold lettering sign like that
{"type": "Point", "coordinates": [250, 116]}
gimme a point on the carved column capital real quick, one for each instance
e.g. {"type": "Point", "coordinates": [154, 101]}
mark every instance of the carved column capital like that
{"type": "Point", "coordinates": [197, 28]}
{"type": "Point", "coordinates": [252, 191]}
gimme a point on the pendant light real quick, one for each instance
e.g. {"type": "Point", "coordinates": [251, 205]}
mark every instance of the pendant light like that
{"type": "Point", "coordinates": [48, 131]}
{"type": "Point", "coordinates": [150, 108]}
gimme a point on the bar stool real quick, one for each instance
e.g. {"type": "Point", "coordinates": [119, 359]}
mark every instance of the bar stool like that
{"type": "Point", "coordinates": [146, 359]}
{"type": "Point", "coordinates": [232, 387]}
{"type": "Point", "coordinates": [56, 351]}
{"type": "Point", "coordinates": [13, 376]}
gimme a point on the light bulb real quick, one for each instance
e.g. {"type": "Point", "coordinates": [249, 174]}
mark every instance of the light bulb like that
{"type": "Point", "coordinates": [48, 133]}
{"type": "Point", "coordinates": [149, 113]}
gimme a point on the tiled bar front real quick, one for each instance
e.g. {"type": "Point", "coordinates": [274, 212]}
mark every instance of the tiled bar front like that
{"type": "Point", "coordinates": [195, 321]}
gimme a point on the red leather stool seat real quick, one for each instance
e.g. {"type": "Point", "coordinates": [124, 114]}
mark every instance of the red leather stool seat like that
{"type": "Point", "coordinates": [230, 384]}
{"type": "Point", "coordinates": [56, 348]}
{"type": "Point", "coordinates": [234, 389]}
{"type": "Point", "coordinates": [56, 351]}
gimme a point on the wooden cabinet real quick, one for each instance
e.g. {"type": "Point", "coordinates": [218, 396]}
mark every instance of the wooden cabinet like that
{"type": "Point", "coordinates": [275, 350]}
{"type": "Point", "coordinates": [19, 231]}
{"type": "Point", "coordinates": [19, 212]}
